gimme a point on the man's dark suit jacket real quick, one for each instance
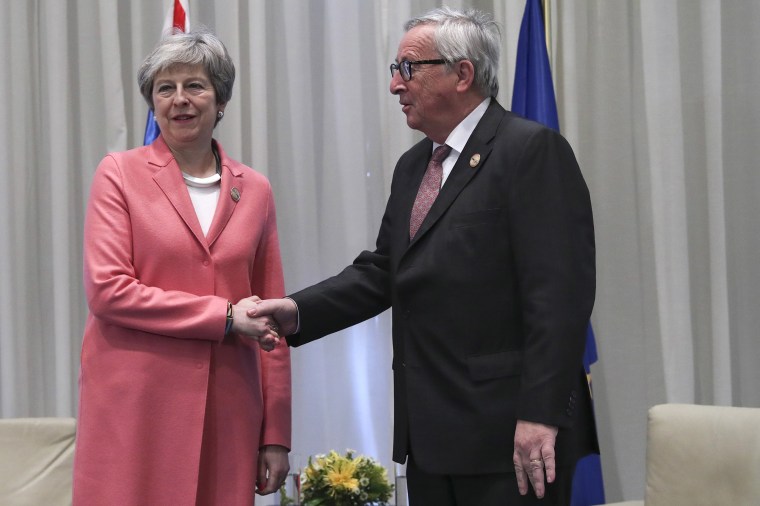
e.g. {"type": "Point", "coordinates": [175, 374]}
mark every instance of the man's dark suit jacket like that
{"type": "Point", "coordinates": [491, 299]}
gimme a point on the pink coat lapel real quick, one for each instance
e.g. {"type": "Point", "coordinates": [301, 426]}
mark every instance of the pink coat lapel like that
{"type": "Point", "coordinates": [231, 192]}
{"type": "Point", "coordinates": [169, 178]}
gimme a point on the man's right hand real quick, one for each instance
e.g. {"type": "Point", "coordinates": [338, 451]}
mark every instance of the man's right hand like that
{"type": "Point", "coordinates": [263, 330]}
{"type": "Point", "coordinates": [284, 311]}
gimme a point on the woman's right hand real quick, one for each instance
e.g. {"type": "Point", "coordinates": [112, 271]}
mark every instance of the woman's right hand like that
{"type": "Point", "coordinates": [262, 329]}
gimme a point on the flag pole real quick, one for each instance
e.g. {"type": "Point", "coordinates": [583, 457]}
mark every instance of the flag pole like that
{"type": "Point", "coordinates": [546, 7]}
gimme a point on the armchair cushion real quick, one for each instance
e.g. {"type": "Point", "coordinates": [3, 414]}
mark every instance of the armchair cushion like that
{"type": "Point", "coordinates": [36, 459]}
{"type": "Point", "coordinates": [702, 455]}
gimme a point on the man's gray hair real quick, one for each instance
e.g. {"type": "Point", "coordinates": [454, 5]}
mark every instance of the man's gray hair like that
{"type": "Point", "coordinates": [466, 35]}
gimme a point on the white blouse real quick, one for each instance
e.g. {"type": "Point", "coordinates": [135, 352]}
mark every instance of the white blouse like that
{"type": "Point", "coordinates": [204, 192]}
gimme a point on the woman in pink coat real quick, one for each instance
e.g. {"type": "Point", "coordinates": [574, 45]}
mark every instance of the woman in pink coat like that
{"type": "Point", "coordinates": [184, 400]}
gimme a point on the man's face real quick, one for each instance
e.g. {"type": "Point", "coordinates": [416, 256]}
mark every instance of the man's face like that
{"type": "Point", "coordinates": [426, 99]}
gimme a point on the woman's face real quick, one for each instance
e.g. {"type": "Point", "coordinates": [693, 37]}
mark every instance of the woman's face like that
{"type": "Point", "coordinates": [185, 106]}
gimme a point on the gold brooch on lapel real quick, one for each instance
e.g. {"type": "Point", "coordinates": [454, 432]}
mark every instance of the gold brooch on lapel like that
{"type": "Point", "coordinates": [235, 193]}
{"type": "Point", "coordinates": [475, 160]}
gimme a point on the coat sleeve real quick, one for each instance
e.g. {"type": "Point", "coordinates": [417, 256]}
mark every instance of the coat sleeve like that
{"type": "Point", "coordinates": [359, 292]}
{"type": "Point", "coordinates": [115, 293]}
{"type": "Point", "coordinates": [552, 231]}
{"type": "Point", "coordinates": [267, 282]}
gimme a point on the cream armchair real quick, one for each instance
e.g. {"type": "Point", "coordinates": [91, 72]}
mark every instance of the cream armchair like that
{"type": "Point", "coordinates": [702, 456]}
{"type": "Point", "coordinates": [36, 458]}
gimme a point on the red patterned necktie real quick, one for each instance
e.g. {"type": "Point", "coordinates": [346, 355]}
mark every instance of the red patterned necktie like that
{"type": "Point", "coordinates": [429, 188]}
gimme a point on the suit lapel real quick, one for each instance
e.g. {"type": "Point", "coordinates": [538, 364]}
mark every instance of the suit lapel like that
{"type": "Point", "coordinates": [478, 146]}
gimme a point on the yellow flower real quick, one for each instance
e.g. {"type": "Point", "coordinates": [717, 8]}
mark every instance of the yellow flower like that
{"type": "Point", "coordinates": [344, 479]}
{"type": "Point", "coordinates": [342, 475]}
{"type": "Point", "coordinates": [311, 472]}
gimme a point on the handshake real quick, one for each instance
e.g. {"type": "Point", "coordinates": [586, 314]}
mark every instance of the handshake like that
{"type": "Point", "coordinates": [264, 321]}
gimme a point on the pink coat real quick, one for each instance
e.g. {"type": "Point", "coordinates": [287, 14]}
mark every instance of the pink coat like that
{"type": "Point", "coordinates": [169, 406]}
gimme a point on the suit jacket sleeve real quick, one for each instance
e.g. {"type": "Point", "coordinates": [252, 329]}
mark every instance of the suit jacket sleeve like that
{"type": "Point", "coordinates": [554, 254]}
{"type": "Point", "coordinates": [362, 290]}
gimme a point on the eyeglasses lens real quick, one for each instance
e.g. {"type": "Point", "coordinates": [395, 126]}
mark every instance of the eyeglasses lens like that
{"type": "Point", "coordinates": [406, 70]}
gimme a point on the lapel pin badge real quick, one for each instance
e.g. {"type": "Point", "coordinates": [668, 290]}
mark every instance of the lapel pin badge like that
{"type": "Point", "coordinates": [475, 160]}
{"type": "Point", "coordinates": [235, 193]}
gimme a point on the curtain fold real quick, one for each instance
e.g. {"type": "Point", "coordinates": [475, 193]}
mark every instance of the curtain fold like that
{"type": "Point", "coordinates": [716, 348]}
{"type": "Point", "coordinates": [658, 99]}
{"type": "Point", "coordinates": [665, 145]}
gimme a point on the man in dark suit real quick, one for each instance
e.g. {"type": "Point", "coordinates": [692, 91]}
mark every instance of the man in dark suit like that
{"type": "Point", "coordinates": [491, 289]}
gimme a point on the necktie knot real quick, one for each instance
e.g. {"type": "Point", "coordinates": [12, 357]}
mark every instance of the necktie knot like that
{"type": "Point", "coordinates": [440, 153]}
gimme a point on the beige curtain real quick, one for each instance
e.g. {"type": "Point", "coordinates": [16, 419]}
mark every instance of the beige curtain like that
{"type": "Point", "coordinates": [659, 100]}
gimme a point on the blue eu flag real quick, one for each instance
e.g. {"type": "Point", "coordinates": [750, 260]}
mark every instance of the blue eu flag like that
{"type": "Point", "coordinates": [151, 129]}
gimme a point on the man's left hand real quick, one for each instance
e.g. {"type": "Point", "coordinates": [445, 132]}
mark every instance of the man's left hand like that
{"type": "Point", "coordinates": [534, 457]}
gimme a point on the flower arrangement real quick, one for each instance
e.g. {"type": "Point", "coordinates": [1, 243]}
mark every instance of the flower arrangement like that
{"type": "Point", "coordinates": [344, 480]}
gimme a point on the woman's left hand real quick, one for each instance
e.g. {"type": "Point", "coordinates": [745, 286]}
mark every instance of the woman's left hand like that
{"type": "Point", "coordinates": [273, 469]}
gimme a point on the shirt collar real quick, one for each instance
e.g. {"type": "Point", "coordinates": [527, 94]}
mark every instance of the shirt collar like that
{"type": "Point", "coordinates": [462, 132]}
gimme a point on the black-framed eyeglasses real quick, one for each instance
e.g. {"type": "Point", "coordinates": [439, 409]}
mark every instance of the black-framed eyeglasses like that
{"type": "Point", "coordinates": [405, 67]}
